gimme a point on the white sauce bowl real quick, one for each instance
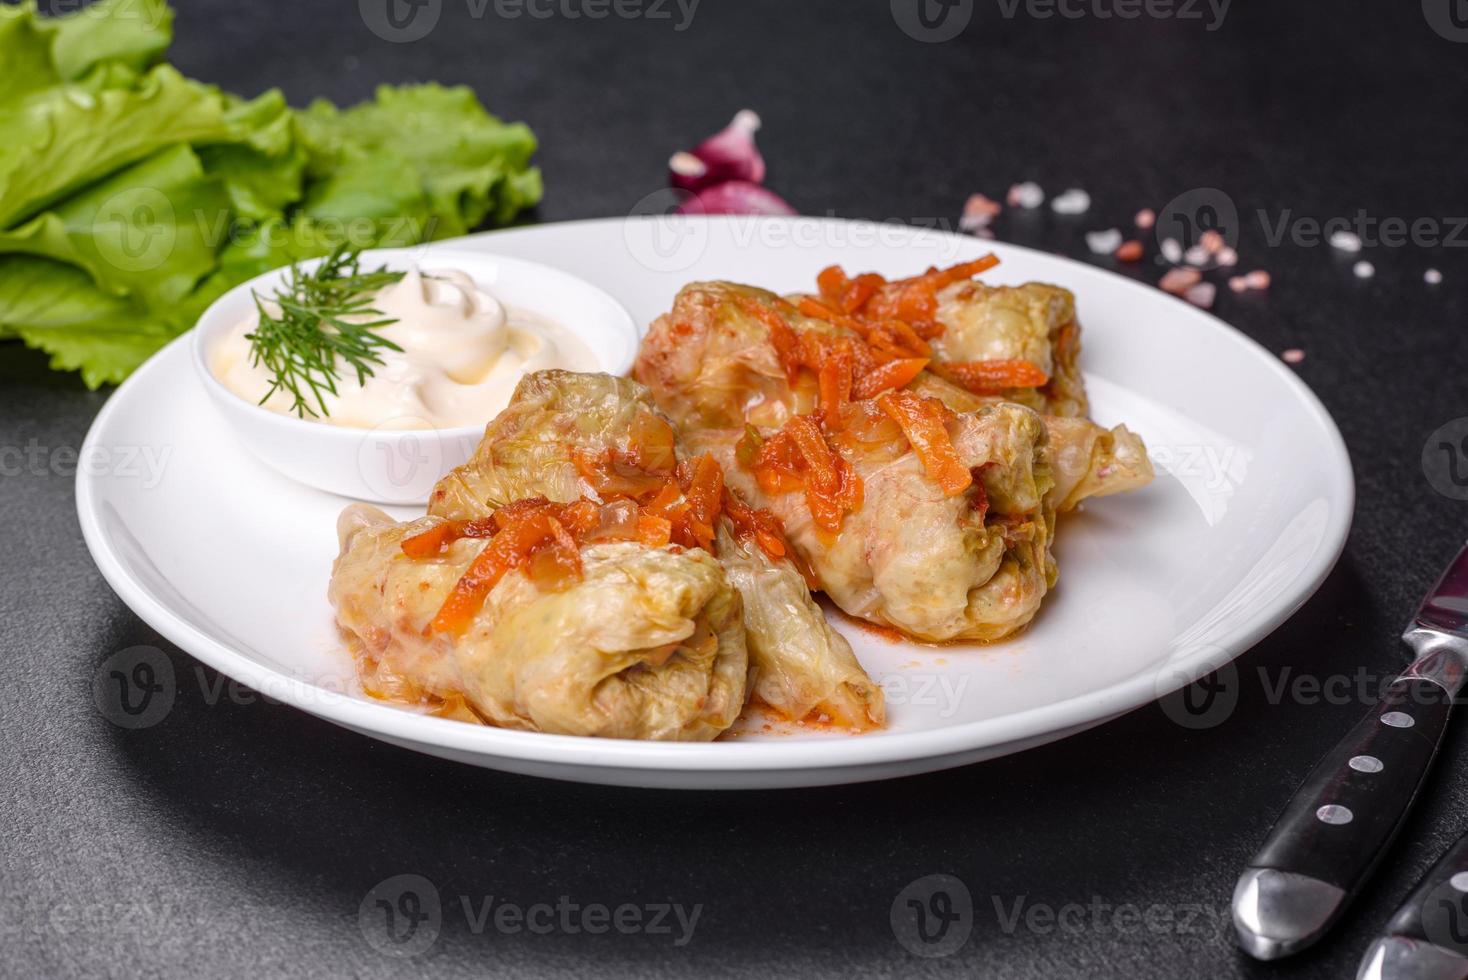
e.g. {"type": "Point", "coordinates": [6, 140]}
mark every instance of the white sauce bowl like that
{"type": "Point", "coordinates": [395, 465]}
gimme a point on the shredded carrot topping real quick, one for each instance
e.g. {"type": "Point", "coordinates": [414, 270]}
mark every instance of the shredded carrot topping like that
{"type": "Point", "coordinates": [893, 374]}
{"type": "Point", "coordinates": [913, 301]}
{"type": "Point", "coordinates": [924, 422]}
{"type": "Point", "coordinates": [511, 547]}
{"type": "Point", "coordinates": [992, 377]}
{"type": "Point", "coordinates": [436, 540]}
{"type": "Point", "coordinates": [799, 457]}
{"type": "Point", "coordinates": [782, 335]}
{"type": "Point", "coordinates": [544, 538]}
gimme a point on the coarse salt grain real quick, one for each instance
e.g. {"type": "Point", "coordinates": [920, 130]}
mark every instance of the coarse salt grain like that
{"type": "Point", "coordinates": [1103, 242]}
{"type": "Point", "coordinates": [1201, 295]}
{"type": "Point", "coordinates": [1172, 250]}
{"type": "Point", "coordinates": [1145, 218]}
{"type": "Point", "coordinates": [1027, 195]}
{"type": "Point", "coordinates": [1345, 241]}
{"type": "Point", "coordinates": [1211, 240]}
{"type": "Point", "coordinates": [1258, 279]}
{"type": "Point", "coordinates": [1180, 280]}
{"type": "Point", "coordinates": [1432, 277]}
{"type": "Point", "coordinates": [1364, 269]}
{"type": "Point", "coordinates": [1293, 356]}
{"type": "Point", "coordinates": [1198, 255]}
{"type": "Point", "coordinates": [1073, 201]}
{"type": "Point", "coordinates": [1227, 257]}
{"type": "Point", "coordinates": [1129, 251]}
{"type": "Point", "coordinates": [978, 211]}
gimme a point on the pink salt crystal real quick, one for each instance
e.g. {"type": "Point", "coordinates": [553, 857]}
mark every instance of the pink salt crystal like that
{"type": "Point", "coordinates": [978, 211]}
{"type": "Point", "coordinates": [1197, 255]}
{"type": "Point", "coordinates": [1211, 241]}
{"type": "Point", "coordinates": [1027, 195]}
{"type": "Point", "coordinates": [1293, 356]}
{"type": "Point", "coordinates": [1201, 295]}
{"type": "Point", "coordinates": [1145, 218]}
{"type": "Point", "coordinates": [1258, 279]}
{"type": "Point", "coordinates": [1227, 257]}
{"type": "Point", "coordinates": [1238, 284]}
{"type": "Point", "coordinates": [1179, 281]}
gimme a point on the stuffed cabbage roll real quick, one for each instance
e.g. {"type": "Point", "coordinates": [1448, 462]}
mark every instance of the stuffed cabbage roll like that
{"type": "Point", "coordinates": [644, 642]}
{"type": "Point", "coordinates": [567, 435]}
{"type": "Point", "coordinates": [918, 503]}
{"type": "Point", "coordinates": [1034, 323]}
{"type": "Point", "coordinates": [1015, 343]}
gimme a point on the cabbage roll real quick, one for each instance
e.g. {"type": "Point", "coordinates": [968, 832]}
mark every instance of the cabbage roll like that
{"type": "Point", "coordinates": [972, 566]}
{"type": "Point", "coordinates": [1034, 323]}
{"type": "Point", "coordinates": [964, 557]}
{"type": "Point", "coordinates": [567, 435]}
{"type": "Point", "coordinates": [648, 643]}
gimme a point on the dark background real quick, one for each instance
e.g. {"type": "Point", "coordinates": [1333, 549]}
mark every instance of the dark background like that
{"type": "Point", "coordinates": [241, 837]}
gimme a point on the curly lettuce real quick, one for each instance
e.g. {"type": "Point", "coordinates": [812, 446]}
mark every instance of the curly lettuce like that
{"type": "Point", "coordinates": [131, 196]}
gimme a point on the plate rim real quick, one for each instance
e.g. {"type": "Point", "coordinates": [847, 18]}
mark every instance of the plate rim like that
{"type": "Point", "coordinates": [784, 754]}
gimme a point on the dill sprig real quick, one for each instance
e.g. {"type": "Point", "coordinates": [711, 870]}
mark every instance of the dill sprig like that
{"type": "Point", "coordinates": [324, 314]}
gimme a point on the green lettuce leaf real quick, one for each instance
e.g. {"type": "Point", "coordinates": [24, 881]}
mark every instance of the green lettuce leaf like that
{"type": "Point", "coordinates": [71, 136]}
{"type": "Point", "coordinates": [57, 308]}
{"type": "Point", "coordinates": [150, 230]}
{"type": "Point", "coordinates": [132, 33]}
{"type": "Point", "coordinates": [469, 164]}
{"type": "Point", "coordinates": [264, 171]}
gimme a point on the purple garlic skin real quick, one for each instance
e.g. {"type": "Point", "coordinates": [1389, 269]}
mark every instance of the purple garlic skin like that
{"type": "Point", "coordinates": [729, 154]}
{"type": "Point", "coordinates": [736, 197]}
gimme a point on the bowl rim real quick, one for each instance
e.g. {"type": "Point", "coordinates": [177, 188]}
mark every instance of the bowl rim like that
{"type": "Point", "coordinates": [204, 333]}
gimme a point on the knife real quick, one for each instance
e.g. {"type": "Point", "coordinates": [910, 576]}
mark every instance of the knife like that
{"type": "Point", "coordinates": [1428, 937]}
{"type": "Point", "coordinates": [1339, 822]}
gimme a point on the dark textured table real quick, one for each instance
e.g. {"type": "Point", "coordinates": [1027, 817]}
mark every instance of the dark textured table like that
{"type": "Point", "coordinates": [237, 837]}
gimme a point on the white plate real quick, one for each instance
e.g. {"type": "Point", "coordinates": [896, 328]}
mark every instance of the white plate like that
{"type": "Point", "coordinates": [229, 560]}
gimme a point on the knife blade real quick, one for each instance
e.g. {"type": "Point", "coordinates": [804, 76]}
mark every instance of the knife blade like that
{"type": "Point", "coordinates": [1335, 828]}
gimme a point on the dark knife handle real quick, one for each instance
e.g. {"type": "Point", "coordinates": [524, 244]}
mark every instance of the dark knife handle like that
{"type": "Point", "coordinates": [1428, 936]}
{"type": "Point", "coordinates": [1340, 821]}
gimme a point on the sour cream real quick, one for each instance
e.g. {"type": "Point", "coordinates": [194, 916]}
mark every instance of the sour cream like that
{"type": "Point", "coordinates": [462, 354]}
